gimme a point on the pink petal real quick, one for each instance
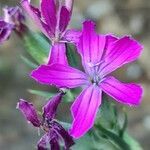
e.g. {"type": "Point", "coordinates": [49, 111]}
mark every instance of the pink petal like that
{"type": "Point", "coordinates": [35, 14]}
{"type": "Point", "coordinates": [58, 54]}
{"type": "Point", "coordinates": [84, 110]}
{"type": "Point", "coordinates": [110, 39]}
{"type": "Point", "coordinates": [126, 93]}
{"type": "Point", "coordinates": [29, 112]}
{"type": "Point", "coordinates": [64, 19]}
{"type": "Point", "coordinates": [123, 51]}
{"type": "Point", "coordinates": [48, 9]}
{"type": "Point", "coordinates": [91, 45]}
{"type": "Point", "coordinates": [60, 75]}
{"type": "Point", "coordinates": [72, 36]}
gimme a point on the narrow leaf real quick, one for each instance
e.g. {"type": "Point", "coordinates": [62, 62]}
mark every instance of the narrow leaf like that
{"type": "Point", "coordinates": [132, 142]}
{"type": "Point", "coordinates": [113, 138]}
{"type": "Point", "coordinates": [44, 94]}
{"type": "Point", "coordinates": [37, 46]}
{"type": "Point", "coordinates": [29, 62]}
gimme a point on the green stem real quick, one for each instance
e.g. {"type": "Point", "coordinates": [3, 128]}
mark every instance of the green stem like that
{"type": "Point", "coordinates": [121, 133]}
{"type": "Point", "coordinates": [113, 137]}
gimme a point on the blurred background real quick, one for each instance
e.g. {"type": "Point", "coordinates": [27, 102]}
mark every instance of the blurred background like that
{"type": "Point", "coordinates": [120, 17]}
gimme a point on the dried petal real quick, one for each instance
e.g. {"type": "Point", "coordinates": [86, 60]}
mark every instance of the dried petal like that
{"type": "Point", "coordinates": [68, 140]}
{"type": "Point", "coordinates": [29, 112]}
{"type": "Point", "coordinates": [54, 144]}
{"type": "Point", "coordinates": [43, 143]}
{"type": "Point", "coordinates": [49, 109]}
{"type": "Point", "coordinates": [49, 141]}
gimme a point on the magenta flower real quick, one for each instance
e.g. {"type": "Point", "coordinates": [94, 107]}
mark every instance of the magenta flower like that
{"type": "Point", "coordinates": [54, 132]}
{"type": "Point", "coordinates": [101, 55]}
{"type": "Point", "coordinates": [53, 18]}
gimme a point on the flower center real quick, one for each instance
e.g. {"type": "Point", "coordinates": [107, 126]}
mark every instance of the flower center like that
{"type": "Point", "coordinates": [55, 39]}
{"type": "Point", "coordinates": [94, 73]}
{"type": "Point", "coordinates": [95, 79]}
{"type": "Point", "coordinates": [46, 125]}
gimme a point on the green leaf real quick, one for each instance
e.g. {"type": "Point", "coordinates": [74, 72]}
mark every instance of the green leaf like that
{"type": "Point", "coordinates": [37, 46]}
{"type": "Point", "coordinates": [88, 142]}
{"type": "Point", "coordinates": [29, 62]}
{"type": "Point", "coordinates": [44, 94]}
{"type": "Point", "coordinates": [107, 116]}
{"type": "Point", "coordinates": [132, 142]}
{"type": "Point", "coordinates": [72, 55]}
{"type": "Point", "coordinates": [84, 143]}
{"type": "Point", "coordinates": [113, 137]}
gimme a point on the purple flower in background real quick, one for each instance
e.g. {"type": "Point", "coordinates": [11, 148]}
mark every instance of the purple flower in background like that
{"type": "Point", "coordinates": [14, 16]}
{"type": "Point", "coordinates": [101, 55]}
{"type": "Point", "coordinates": [12, 20]}
{"type": "Point", "coordinates": [53, 18]}
{"type": "Point", "coordinates": [54, 132]}
{"type": "Point", "coordinates": [5, 30]}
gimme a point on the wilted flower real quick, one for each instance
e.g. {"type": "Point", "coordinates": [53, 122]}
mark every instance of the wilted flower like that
{"type": "Point", "coordinates": [5, 30]}
{"type": "Point", "coordinates": [53, 18]}
{"type": "Point", "coordinates": [101, 55]}
{"type": "Point", "coordinates": [55, 133]}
